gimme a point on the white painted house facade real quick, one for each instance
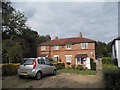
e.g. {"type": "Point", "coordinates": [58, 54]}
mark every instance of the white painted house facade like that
{"type": "Point", "coordinates": [116, 50]}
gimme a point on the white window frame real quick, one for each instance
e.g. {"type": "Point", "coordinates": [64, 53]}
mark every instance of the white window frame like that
{"type": "Point", "coordinates": [56, 56]}
{"type": "Point", "coordinates": [56, 47]}
{"type": "Point", "coordinates": [84, 45]}
{"type": "Point", "coordinates": [69, 61]}
{"type": "Point", "coordinates": [68, 46]}
{"type": "Point", "coordinates": [43, 48]}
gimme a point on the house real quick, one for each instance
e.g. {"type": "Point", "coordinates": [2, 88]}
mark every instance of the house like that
{"type": "Point", "coordinates": [71, 51]}
{"type": "Point", "coordinates": [116, 51]}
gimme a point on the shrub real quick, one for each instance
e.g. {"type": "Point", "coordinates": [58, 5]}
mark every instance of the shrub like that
{"type": "Point", "coordinates": [60, 65]}
{"type": "Point", "coordinates": [92, 64]}
{"type": "Point", "coordinates": [111, 76]}
{"type": "Point", "coordinates": [73, 66]}
{"type": "Point", "coordinates": [68, 63]}
{"type": "Point", "coordinates": [79, 67]}
{"type": "Point", "coordinates": [107, 60]}
{"type": "Point", "coordinates": [68, 67]}
{"type": "Point", "coordinates": [108, 66]}
{"type": "Point", "coordinates": [9, 69]}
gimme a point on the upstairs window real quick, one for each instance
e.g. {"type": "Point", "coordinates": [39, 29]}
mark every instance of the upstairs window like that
{"type": "Point", "coordinates": [68, 46]}
{"type": "Point", "coordinates": [56, 47]}
{"type": "Point", "coordinates": [43, 48]}
{"type": "Point", "coordinates": [84, 45]}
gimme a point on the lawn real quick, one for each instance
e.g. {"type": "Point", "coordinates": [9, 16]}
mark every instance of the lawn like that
{"type": "Point", "coordinates": [83, 72]}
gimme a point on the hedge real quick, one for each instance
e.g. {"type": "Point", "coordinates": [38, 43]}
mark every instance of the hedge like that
{"type": "Point", "coordinates": [9, 69]}
{"type": "Point", "coordinates": [111, 76]}
{"type": "Point", "coordinates": [107, 60]}
{"type": "Point", "coordinates": [79, 67]}
{"type": "Point", "coordinates": [59, 65]}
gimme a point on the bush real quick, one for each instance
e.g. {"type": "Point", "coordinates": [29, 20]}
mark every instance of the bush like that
{"type": "Point", "coordinates": [107, 60]}
{"type": "Point", "coordinates": [9, 69]}
{"type": "Point", "coordinates": [73, 66]}
{"type": "Point", "coordinates": [104, 66]}
{"type": "Point", "coordinates": [68, 63]}
{"type": "Point", "coordinates": [92, 64]}
{"type": "Point", "coordinates": [111, 76]}
{"type": "Point", "coordinates": [60, 65]}
{"type": "Point", "coordinates": [79, 67]}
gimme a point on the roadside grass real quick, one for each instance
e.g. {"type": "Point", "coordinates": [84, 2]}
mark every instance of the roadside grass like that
{"type": "Point", "coordinates": [83, 72]}
{"type": "Point", "coordinates": [10, 83]}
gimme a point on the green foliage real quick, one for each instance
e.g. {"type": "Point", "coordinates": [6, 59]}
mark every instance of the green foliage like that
{"type": "Point", "coordinates": [83, 72]}
{"type": "Point", "coordinates": [9, 69]}
{"type": "Point", "coordinates": [92, 64]}
{"type": "Point", "coordinates": [107, 60]}
{"type": "Point", "coordinates": [103, 49]}
{"type": "Point", "coordinates": [73, 66]}
{"type": "Point", "coordinates": [104, 66]}
{"type": "Point", "coordinates": [111, 76]}
{"type": "Point", "coordinates": [79, 67]}
{"type": "Point", "coordinates": [68, 63]}
{"type": "Point", "coordinates": [19, 40]}
{"type": "Point", "coordinates": [59, 65]}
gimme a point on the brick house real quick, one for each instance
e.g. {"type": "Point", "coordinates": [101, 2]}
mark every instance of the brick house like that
{"type": "Point", "coordinates": [77, 51]}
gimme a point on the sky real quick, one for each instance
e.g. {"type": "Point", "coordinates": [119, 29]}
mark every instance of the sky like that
{"type": "Point", "coordinates": [96, 20]}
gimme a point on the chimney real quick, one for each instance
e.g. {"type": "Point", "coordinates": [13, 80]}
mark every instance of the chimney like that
{"type": "Point", "coordinates": [80, 34]}
{"type": "Point", "coordinates": [56, 37]}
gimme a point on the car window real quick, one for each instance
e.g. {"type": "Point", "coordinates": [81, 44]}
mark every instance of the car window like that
{"type": "Point", "coordinates": [41, 61]}
{"type": "Point", "coordinates": [28, 61]}
{"type": "Point", "coordinates": [47, 62]}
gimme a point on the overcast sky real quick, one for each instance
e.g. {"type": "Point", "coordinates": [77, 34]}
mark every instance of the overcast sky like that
{"type": "Point", "coordinates": [96, 20]}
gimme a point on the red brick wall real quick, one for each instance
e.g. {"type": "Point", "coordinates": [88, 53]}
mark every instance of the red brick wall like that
{"type": "Point", "coordinates": [76, 49]}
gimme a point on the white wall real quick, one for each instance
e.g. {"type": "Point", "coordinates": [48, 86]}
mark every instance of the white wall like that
{"type": "Point", "coordinates": [117, 45]}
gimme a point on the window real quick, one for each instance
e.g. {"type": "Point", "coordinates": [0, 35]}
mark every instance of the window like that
{"type": "Point", "coordinates": [56, 47]}
{"type": "Point", "coordinates": [28, 61]}
{"type": "Point", "coordinates": [41, 61]}
{"type": "Point", "coordinates": [68, 46]}
{"type": "Point", "coordinates": [47, 62]}
{"type": "Point", "coordinates": [84, 45]}
{"type": "Point", "coordinates": [56, 57]}
{"type": "Point", "coordinates": [43, 48]}
{"type": "Point", "coordinates": [68, 58]}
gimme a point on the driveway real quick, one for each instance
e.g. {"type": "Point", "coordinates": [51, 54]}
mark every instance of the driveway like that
{"type": "Point", "coordinates": [64, 80]}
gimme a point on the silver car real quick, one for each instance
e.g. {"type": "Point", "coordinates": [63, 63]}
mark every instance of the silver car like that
{"type": "Point", "coordinates": [36, 67]}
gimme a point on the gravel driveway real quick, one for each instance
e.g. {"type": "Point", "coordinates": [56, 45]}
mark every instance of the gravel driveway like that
{"type": "Point", "coordinates": [64, 80]}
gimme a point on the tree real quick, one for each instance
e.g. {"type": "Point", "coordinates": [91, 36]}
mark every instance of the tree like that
{"type": "Point", "coordinates": [19, 40]}
{"type": "Point", "coordinates": [103, 49]}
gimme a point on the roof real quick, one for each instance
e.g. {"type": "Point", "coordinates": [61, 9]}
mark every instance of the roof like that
{"type": "Point", "coordinates": [118, 38]}
{"type": "Point", "coordinates": [67, 41]}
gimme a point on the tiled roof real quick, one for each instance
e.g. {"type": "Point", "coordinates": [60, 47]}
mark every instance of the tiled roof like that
{"type": "Point", "coordinates": [67, 41]}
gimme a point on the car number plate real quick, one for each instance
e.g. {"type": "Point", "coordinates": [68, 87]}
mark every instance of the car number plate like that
{"type": "Point", "coordinates": [24, 73]}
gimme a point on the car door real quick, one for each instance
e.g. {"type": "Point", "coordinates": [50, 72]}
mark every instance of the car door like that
{"type": "Point", "coordinates": [42, 66]}
{"type": "Point", "coordinates": [49, 65]}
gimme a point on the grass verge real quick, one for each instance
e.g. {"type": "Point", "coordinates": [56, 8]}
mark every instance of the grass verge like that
{"type": "Point", "coordinates": [84, 72]}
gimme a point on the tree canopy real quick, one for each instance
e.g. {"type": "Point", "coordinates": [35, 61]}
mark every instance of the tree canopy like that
{"type": "Point", "coordinates": [18, 39]}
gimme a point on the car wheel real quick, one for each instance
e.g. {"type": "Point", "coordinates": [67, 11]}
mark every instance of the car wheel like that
{"type": "Point", "coordinates": [54, 72]}
{"type": "Point", "coordinates": [38, 76]}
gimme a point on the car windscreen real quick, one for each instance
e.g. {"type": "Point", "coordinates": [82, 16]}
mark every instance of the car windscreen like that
{"type": "Point", "coordinates": [28, 61]}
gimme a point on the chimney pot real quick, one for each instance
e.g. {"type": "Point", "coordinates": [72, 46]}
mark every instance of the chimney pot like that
{"type": "Point", "coordinates": [56, 37]}
{"type": "Point", "coordinates": [81, 35]}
